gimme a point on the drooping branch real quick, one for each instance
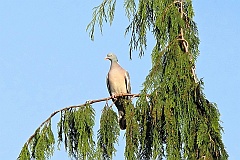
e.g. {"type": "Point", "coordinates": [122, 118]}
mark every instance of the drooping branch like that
{"type": "Point", "coordinates": [101, 13]}
{"type": "Point", "coordinates": [77, 106]}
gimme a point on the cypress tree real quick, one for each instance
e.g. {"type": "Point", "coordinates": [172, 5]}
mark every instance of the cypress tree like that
{"type": "Point", "coordinates": [171, 118]}
{"type": "Point", "coordinates": [175, 120]}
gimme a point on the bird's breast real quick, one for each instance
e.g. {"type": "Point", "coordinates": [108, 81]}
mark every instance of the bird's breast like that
{"type": "Point", "coordinates": [117, 83]}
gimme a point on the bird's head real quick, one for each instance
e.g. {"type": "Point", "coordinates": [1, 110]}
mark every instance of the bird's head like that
{"type": "Point", "coordinates": [112, 57]}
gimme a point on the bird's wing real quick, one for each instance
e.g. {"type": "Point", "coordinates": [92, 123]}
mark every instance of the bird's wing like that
{"type": "Point", "coordinates": [127, 82]}
{"type": "Point", "coordinates": [108, 85]}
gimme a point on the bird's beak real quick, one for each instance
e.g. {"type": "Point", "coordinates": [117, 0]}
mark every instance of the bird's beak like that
{"type": "Point", "coordinates": [106, 58]}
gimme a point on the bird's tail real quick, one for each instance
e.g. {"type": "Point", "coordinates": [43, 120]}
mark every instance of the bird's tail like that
{"type": "Point", "coordinates": [121, 105]}
{"type": "Point", "coordinates": [121, 114]}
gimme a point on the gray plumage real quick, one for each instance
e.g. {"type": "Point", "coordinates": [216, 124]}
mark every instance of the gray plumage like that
{"type": "Point", "coordinates": [118, 82]}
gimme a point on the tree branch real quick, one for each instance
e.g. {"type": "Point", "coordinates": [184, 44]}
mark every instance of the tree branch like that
{"type": "Point", "coordinates": [185, 42]}
{"type": "Point", "coordinates": [78, 106]}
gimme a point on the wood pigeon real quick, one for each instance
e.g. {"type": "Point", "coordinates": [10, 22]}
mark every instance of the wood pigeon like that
{"type": "Point", "coordinates": [118, 82]}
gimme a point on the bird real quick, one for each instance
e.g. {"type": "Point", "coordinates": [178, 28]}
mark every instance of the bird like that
{"type": "Point", "coordinates": [118, 82]}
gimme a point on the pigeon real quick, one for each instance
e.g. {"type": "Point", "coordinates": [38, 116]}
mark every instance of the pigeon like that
{"type": "Point", "coordinates": [118, 82]}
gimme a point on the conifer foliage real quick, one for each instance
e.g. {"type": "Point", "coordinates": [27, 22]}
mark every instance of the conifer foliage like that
{"type": "Point", "coordinates": [171, 118]}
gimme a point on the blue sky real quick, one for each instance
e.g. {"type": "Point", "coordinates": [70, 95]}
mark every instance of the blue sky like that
{"type": "Point", "coordinates": [48, 62]}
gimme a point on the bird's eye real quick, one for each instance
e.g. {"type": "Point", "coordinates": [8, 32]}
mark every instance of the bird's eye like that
{"type": "Point", "coordinates": [110, 55]}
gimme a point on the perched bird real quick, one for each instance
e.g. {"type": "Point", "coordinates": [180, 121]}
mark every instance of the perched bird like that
{"type": "Point", "coordinates": [118, 82]}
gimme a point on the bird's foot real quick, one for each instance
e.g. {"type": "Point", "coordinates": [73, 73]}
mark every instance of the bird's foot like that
{"type": "Point", "coordinates": [117, 95]}
{"type": "Point", "coordinates": [119, 117]}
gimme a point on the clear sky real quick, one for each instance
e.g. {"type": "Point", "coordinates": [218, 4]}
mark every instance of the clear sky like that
{"type": "Point", "coordinates": [48, 62]}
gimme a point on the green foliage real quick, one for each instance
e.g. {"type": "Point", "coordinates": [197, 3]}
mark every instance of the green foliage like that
{"type": "Point", "coordinates": [107, 134]}
{"type": "Point", "coordinates": [41, 144]}
{"type": "Point", "coordinates": [24, 154]}
{"type": "Point", "coordinates": [132, 133]}
{"type": "Point", "coordinates": [76, 125]}
{"type": "Point", "coordinates": [139, 26]}
{"type": "Point", "coordinates": [75, 129]}
{"type": "Point", "coordinates": [45, 143]}
{"type": "Point", "coordinates": [101, 13]}
{"type": "Point", "coordinates": [130, 8]}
